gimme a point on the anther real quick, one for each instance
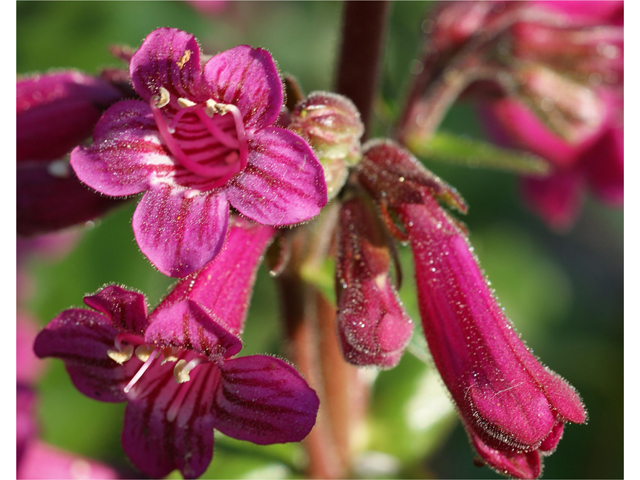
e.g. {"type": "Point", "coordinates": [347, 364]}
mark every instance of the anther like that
{"type": "Point", "coordinates": [185, 102]}
{"type": "Point", "coordinates": [143, 352]}
{"type": "Point", "coordinates": [182, 369]}
{"type": "Point", "coordinates": [170, 355]}
{"type": "Point", "coordinates": [122, 354]}
{"type": "Point", "coordinates": [214, 107]}
{"type": "Point", "coordinates": [164, 98]}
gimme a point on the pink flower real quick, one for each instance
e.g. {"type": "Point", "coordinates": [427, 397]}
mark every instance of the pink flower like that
{"type": "Point", "coordinates": [513, 408]}
{"type": "Point", "coordinates": [591, 156]}
{"type": "Point", "coordinates": [56, 112]}
{"type": "Point", "coordinates": [202, 139]}
{"type": "Point", "coordinates": [174, 366]}
{"type": "Point", "coordinates": [373, 327]}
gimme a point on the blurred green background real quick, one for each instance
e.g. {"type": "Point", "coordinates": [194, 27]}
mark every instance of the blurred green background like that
{"type": "Point", "coordinates": [563, 292]}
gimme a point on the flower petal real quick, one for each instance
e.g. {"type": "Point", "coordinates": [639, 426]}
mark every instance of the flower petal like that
{"type": "Point", "coordinates": [57, 111]}
{"type": "Point", "coordinates": [512, 463]}
{"type": "Point", "coordinates": [126, 151]}
{"type": "Point", "coordinates": [169, 426]}
{"type": "Point", "coordinates": [178, 232]}
{"type": "Point", "coordinates": [42, 460]}
{"type": "Point", "coordinates": [224, 286]}
{"type": "Point", "coordinates": [50, 197]}
{"type": "Point", "coordinates": [187, 325]}
{"type": "Point", "coordinates": [283, 183]}
{"type": "Point", "coordinates": [126, 309]}
{"type": "Point", "coordinates": [557, 199]}
{"type": "Point", "coordinates": [82, 339]}
{"type": "Point", "coordinates": [248, 78]}
{"type": "Point", "coordinates": [168, 58]}
{"type": "Point", "coordinates": [263, 400]}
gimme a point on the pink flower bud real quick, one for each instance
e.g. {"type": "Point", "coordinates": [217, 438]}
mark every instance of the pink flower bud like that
{"type": "Point", "coordinates": [373, 327]}
{"type": "Point", "coordinates": [57, 111]}
{"type": "Point", "coordinates": [513, 407]}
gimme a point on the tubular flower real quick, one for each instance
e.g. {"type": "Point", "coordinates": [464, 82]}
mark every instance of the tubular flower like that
{"type": "Point", "coordinates": [373, 327]}
{"type": "Point", "coordinates": [55, 112]}
{"type": "Point", "coordinates": [200, 139]}
{"type": "Point", "coordinates": [513, 408]}
{"type": "Point", "coordinates": [174, 366]}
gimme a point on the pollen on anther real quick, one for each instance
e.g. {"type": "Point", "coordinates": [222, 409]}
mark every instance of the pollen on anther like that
{"type": "Point", "coordinates": [164, 98]}
{"type": "Point", "coordinates": [185, 102]}
{"type": "Point", "coordinates": [122, 355]}
{"type": "Point", "coordinates": [143, 352]}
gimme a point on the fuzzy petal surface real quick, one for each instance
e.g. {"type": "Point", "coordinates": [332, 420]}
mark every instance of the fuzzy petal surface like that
{"type": "Point", "coordinates": [511, 463]}
{"type": "Point", "coordinates": [126, 309]}
{"type": "Point", "coordinates": [82, 338]}
{"type": "Point", "coordinates": [168, 58]}
{"type": "Point", "coordinates": [504, 395]}
{"type": "Point", "coordinates": [223, 287]}
{"type": "Point", "coordinates": [186, 324]}
{"type": "Point", "coordinates": [168, 425]}
{"type": "Point", "coordinates": [126, 152]}
{"type": "Point", "coordinates": [180, 232]}
{"type": "Point", "coordinates": [263, 400]}
{"type": "Point", "coordinates": [283, 183]}
{"type": "Point", "coordinates": [248, 78]}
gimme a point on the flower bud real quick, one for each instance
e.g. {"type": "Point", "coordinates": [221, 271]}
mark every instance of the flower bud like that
{"type": "Point", "coordinates": [513, 407]}
{"type": "Point", "coordinates": [57, 111]}
{"type": "Point", "coordinates": [372, 325]}
{"type": "Point", "coordinates": [332, 125]}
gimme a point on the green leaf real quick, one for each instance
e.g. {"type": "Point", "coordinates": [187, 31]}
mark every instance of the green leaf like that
{"type": "Point", "coordinates": [450, 148]}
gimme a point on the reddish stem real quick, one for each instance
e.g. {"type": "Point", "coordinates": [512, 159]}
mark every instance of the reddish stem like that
{"type": "Point", "coordinates": [363, 34]}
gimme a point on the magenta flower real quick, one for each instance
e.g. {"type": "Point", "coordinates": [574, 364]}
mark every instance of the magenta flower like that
{"type": "Point", "coordinates": [201, 139]}
{"type": "Point", "coordinates": [513, 408]}
{"type": "Point", "coordinates": [592, 155]}
{"type": "Point", "coordinates": [55, 113]}
{"type": "Point", "coordinates": [174, 366]}
{"type": "Point", "coordinates": [372, 325]}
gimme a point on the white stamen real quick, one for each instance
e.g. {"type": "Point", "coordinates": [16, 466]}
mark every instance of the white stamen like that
{"type": "Point", "coordinates": [182, 369]}
{"type": "Point", "coordinates": [164, 98]}
{"type": "Point", "coordinates": [143, 369]}
{"type": "Point", "coordinates": [143, 352]}
{"type": "Point", "coordinates": [185, 102]}
{"type": "Point", "coordinates": [122, 354]}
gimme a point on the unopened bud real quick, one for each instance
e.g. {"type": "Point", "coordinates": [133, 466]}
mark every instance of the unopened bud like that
{"type": "Point", "coordinates": [332, 125]}
{"type": "Point", "coordinates": [372, 325]}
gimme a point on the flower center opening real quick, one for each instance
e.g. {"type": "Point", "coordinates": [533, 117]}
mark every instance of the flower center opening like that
{"type": "Point", "coordinates": [202, 137]}
{"type": "Point", "coordinates": [127, 344]}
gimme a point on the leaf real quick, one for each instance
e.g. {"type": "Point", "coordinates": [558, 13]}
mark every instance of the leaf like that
{"type": "Point", "coordinates": [451, 148]}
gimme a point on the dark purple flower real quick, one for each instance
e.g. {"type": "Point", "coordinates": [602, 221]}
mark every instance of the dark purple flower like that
{"type": "Point", "coordinates": [174, 366]}
{"type": "Point", "coordinates": [200, 140]}
{"type": "Point", "coordinates": [513, 408]}
{"type": "Point", "coordinates": [56, 112]}
{"type": "Point", "coordinates": [372, 325]}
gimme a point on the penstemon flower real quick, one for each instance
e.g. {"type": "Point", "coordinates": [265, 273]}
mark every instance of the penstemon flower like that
{"type": "Point", "coordinates": [174, 366]}
{"type": "Point", "coordinates": [201, 139]}
{"type": "Point", "coordinates": [54, 113]}
{"type": "Point", "coordinates": [513, 408]}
